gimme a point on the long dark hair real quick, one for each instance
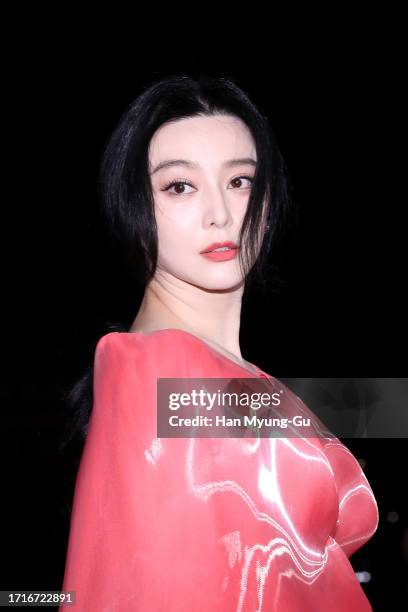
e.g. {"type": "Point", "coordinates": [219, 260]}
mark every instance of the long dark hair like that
{"type": "Point", "coordinates": [127, 206]}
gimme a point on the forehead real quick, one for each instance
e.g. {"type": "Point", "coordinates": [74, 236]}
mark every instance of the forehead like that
{"type": "Point", "coordinates": [195, 138]}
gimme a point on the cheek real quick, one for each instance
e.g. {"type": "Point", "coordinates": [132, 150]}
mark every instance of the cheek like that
{"type": "Point", "coordinates": [176, 235]}
{"type": "Point", "coordinates": [173, 215]}
{"type": "Point", "coordinates": [239, 209]}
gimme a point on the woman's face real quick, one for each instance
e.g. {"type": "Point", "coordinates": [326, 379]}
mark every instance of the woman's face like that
{"type": "Point", "coordinates": [208, 199]}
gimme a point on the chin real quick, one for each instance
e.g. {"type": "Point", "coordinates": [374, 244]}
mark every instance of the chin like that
{"type": "Point", "coordinates": [225, 282]}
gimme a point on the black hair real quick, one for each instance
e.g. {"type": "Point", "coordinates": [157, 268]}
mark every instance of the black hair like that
{"type": "Point", "coordinates": [127, 206]}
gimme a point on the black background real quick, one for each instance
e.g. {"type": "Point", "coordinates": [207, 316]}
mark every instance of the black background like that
{"type": "Point", "coordinates": [335, 106]}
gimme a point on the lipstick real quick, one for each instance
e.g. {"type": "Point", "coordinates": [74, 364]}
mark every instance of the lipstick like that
{"type": "Point", "coordinates": [221, 251]}
{"type": "Point", "coordinates": [221, 255]}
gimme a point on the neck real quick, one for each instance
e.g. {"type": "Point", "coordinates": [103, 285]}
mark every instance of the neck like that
{"type": "Point", "coordinates": [213, 315]}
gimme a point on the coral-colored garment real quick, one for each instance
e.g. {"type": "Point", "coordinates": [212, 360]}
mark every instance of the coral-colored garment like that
{"type": "Point", "coordinates": [221, 524]}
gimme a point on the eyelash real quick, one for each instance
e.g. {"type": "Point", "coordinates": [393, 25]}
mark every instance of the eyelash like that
{"type": "Point", "coordinates": [186, 182]}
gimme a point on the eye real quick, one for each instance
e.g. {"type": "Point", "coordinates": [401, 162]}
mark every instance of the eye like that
{"type": "Point", "coordinates": [239, 178]}
{"type": "Point", "coordinates": [177, 183]}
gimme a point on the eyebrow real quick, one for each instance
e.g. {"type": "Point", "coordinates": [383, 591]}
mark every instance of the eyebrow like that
{"type": "Point", "coordinates": [184, 162]}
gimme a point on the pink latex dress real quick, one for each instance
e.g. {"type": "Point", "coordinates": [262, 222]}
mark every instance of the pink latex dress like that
{"type": "Point", "coordinates": [221, 524]}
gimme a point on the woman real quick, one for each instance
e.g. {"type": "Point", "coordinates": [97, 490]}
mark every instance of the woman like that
{"type": "Point", "coordinates": [196, 191]}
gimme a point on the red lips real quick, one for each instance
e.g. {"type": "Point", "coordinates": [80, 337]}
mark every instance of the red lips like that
{"type": "Point", "coordinates": [217, 245]}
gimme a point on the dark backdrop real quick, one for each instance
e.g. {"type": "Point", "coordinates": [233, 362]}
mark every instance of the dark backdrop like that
{"type": "Point", "coordinates": [338, 310]}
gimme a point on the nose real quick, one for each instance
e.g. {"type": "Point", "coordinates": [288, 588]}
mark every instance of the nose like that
{"type": "Point", "coordinates": [216, 207]}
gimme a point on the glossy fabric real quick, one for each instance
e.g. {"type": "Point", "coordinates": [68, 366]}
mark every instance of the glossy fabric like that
{"type": "Point", "coordinates": [223, 524]}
